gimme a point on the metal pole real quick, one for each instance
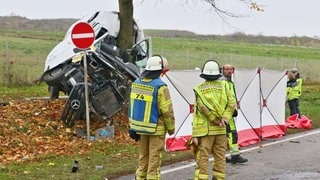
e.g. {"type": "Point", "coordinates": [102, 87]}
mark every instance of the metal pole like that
{"type": "Point", "coordinates": [8, 62]}
{"type": "Point", "coordinates": [188, 58]}
{"type": "Point", "coordinates": [86, 93]}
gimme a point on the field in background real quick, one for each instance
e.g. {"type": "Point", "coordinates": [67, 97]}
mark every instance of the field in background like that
{"type": "Point", "coordinates": [189, 54]}
{"type": "Point", "coordinates": [190, 60]}
{"type": "Point", "coordinates": [23, 54]}
{"type": "Point", "coordinates": [179, 59]}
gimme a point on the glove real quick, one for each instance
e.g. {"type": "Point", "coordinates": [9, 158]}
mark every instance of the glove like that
{"type": "Point", "coordinates": [133, 134]}
{"type": "Point", "coordinates": [235, 113]}
{"type": "Point", "coordinates": [223, 122]}
{"type": "Point", "coordinates": [192, 144]}
{"type": "Point", "coordinates": [170, 132]}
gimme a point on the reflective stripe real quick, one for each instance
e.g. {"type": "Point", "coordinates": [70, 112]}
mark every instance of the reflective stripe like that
{"type": "Point", "coordinates": [139, 91]}
{"type": "Point", "coordinates": [219, 176]}
{"type": "Point", "coordinates": [159, 130]}
{"type": "Point", "coordinates": [215, 130]}
{"type": "Point", "coordinates": [140, 175]}
{"type": "Point", "coordinates": [143, 126]}
{"type": "Point", "coordinates": [145, 87]}
{"type": "Point", "coordinates": [198, 176]}
{"type": "Point", "coordinates": [203, 176]}
{"type": "Point", "coordinates": [198, 131]}
{"type": "Point", "coordinates": [154, 177]}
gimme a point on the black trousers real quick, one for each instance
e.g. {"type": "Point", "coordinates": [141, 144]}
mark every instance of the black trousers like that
{"type": "Point", "coordinates": [294, 107]}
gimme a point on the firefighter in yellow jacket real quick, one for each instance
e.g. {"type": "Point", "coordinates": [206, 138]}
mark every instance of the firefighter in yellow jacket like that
{"type": "Point", "coordinates": [214, 106]}
{"type": "Point", "coordinates": [294, 88]}
{"type": "Point", "coordinates": [232, 134]}
{"type": "Point", "coordinates": [150, 117]}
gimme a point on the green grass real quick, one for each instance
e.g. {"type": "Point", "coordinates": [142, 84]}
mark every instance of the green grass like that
{"type": "Point", "coordinates": [28, 34]}
{"type": "Point", "coordinates": [19, 92]}
{"type": "Point", "coordinates": [22, 55]}
{"type": "Point", "coordinates": [28, 42]}
{"type": "Point", "coordinates": [310, 103]}
{"type": "Point", "coordinates": [117, 159]}
{"type": "Point", "coordinates": [219, 47]}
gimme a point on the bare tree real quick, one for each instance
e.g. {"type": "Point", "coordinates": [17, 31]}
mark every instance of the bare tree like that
{"type": "Point", "coordinates": [125, 40]}
{"type": "Point", "coordinates": [223, 13]}
{"type": "Point", "coordinates": [126, 18]}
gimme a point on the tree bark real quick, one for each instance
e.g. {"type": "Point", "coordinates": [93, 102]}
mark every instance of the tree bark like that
{"type": "Point", "coordinates": [125, 40]}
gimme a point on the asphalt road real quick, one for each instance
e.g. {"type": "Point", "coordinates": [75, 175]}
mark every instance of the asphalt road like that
{"type": "Point", "coordinates": [292, 157]}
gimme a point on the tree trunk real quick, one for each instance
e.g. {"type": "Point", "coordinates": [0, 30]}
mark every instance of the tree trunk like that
{"type": "Point", "coordinates": [125, 39]}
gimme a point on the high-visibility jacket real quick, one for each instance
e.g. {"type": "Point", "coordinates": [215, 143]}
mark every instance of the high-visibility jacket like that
{"type": "Point", "coordinates": [233, 90]}
{"type": "Point", "coordinates": [230, 84]}
{"type": "Point", "coordinates": [214, 102]}
{"type": "Point", "coordinates": [150, 108]}
{"type": "Point", "coordinates": [294, 89]}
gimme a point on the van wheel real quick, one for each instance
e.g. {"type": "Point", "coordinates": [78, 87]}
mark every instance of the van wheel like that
{"type": "Point", "coordinates": [55, 75]}
{"type": "Point", "coordinates": [54, 92]}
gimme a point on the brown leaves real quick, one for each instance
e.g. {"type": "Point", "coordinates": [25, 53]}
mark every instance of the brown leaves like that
{"type": "Point", "coordinates": [31, 129]}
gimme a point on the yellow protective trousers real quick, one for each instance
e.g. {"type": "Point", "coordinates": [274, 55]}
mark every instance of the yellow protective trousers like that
{"type": "Point", "coordinates": [232, 135]}
{"type": "Point", "coordinates": [217, 146]}
{"type": "Point", "coordinates": [150, 156]}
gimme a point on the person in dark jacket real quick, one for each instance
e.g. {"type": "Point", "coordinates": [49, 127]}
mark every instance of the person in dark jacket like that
{"type": "Point", "coordinates": [232, 134]}
{"type": "Point", "coordinates": [294, 89]}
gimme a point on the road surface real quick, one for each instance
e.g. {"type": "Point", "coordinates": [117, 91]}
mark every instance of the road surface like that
{"type": "Point", "coordinates": [292, 157]}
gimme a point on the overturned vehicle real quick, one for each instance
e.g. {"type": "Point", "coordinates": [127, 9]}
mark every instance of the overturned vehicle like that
{"type": "Point", "coordinates": [109, 75]}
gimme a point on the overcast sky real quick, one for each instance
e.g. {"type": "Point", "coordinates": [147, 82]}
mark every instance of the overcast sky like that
{"type": "Point", "coordinates": [280, 17]}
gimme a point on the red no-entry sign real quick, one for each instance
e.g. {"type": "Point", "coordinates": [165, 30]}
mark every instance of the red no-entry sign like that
{"type": "Point", "coordinates": [82, 35]}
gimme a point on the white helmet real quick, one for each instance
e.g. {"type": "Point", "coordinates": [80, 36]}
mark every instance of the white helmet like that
{"type": "Point", "coordinates": [211, 68]}
{"type": "Point", "coordinates": [294, 70]}
{"type": "Point", "coordinates": [156, 63]}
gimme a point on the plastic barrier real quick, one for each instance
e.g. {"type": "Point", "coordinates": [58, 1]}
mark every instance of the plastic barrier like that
{"type": "Point", "coordinates": [294, 122]}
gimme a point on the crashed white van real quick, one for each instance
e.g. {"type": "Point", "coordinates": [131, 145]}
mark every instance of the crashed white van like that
{"type": "Point", "coordinates": [109, 75]}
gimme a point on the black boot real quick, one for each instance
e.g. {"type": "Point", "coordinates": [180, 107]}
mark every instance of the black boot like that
{"type": "Point", "coordinates": [228, 160]}
{"type": "Point", "coordinates": [238, 159]}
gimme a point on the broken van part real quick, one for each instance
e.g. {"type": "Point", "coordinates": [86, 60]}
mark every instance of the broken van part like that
{"type": "Point", "coordinates": [109, 76]}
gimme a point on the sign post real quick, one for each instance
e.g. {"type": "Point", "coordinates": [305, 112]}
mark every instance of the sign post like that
{"type": "Point", "coordinates": [82, 36]}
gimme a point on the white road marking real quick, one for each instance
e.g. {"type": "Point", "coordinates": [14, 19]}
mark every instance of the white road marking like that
{"type": "Point", "coordinates": [259, 145]}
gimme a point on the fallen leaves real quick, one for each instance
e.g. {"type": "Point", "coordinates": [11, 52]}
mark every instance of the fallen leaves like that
{"type": "Point", "coordinates": [30, 129]}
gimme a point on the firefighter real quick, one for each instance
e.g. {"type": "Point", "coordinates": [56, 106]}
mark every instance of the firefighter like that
{"type": "Point", "coordinates": [294, 89]}
{"type": "Point", "coordinates": [232, 134]}
{"type": "Point", "coordinates": [150, 117]}
{"type": "Point", "coordinates": [214, 106]}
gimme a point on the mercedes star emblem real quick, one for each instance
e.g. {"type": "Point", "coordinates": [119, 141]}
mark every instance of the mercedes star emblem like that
{"type": "Point", "coordinates": [75, 104]}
